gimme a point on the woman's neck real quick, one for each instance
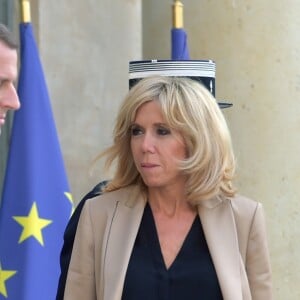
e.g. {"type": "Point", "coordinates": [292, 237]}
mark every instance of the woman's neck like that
{"type": "Point", "coordinates": [170, 203]}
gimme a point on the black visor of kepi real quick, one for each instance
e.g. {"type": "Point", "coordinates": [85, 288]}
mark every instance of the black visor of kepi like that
{"type": "Point", "coordinates": [203, 71]}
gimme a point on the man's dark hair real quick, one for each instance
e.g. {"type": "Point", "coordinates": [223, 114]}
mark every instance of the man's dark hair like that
{"type": "Point", "coordinates": [7, 37]}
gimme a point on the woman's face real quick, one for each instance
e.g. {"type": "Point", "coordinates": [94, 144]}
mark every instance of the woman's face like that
{"type": "Point", "coordinates": [156, 148]}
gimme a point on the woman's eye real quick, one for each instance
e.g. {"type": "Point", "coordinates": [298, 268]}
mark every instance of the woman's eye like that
{"type": "Point", "coordinates": [136, 131]}
{"type": "Point", "coordinates": [163, 131]}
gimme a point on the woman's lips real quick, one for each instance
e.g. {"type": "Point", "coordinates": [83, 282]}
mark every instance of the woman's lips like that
{"type": "Point", "coordinates": [148, 165]}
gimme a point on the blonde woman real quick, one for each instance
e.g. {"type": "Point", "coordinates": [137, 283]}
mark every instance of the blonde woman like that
{"type": "Point", "coordinates": [169, 224]}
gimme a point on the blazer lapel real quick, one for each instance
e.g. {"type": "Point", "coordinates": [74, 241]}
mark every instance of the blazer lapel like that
{"type": "Point", "coordinates": [220, 231]}
{"type": "Point", "coordinates": [120, 241]}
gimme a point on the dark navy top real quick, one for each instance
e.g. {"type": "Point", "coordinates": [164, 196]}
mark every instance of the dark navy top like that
{"type": "Point", "coordinates": [191, 276]}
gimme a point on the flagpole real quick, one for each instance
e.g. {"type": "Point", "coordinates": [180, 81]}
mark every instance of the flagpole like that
{"type": "Point", "coordinates": [179, 47]}
{"type": "Point", "coordinates": [25, 10]}
{"type": "Point", "coordinates": [177, 14]}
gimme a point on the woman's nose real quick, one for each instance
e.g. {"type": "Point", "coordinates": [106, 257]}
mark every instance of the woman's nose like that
{"type": "Point", "coordinates": [148, 144]}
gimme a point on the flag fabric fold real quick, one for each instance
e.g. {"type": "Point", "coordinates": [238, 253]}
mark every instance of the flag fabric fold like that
{"type": "Point", "coordinates": [179, 44]}
{"type": "Point", "coordinates": [36, 202]}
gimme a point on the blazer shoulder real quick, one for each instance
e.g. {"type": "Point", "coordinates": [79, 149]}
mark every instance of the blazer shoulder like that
{"type": "Point", "coordinates": [244, 205]}
{"type": "Point", "coordinates": [245, 211]}
{"type": "Point", "coordinates": [108, 200]}
{"type": "Point", "coordinates": [248, 215]}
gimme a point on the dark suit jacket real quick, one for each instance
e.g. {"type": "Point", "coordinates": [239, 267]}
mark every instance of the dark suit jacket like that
{"type": "Point", "coordinates": [69, 236]}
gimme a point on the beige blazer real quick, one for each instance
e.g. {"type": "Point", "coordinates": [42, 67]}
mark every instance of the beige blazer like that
{"type": "Point", "coordinates": [234, 230]}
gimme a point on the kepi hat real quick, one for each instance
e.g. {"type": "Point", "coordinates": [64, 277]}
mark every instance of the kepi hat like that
{"type": "Point", "coordinates": [203, 71]}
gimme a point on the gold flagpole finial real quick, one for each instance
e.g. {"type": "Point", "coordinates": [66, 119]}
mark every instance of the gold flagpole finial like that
{"type": "Point", "coordinates": [177, 14]}
{"type": "Point", "coordinates": [25, 10]}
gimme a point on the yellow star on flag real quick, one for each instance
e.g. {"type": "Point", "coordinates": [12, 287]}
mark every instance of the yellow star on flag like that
{"type": "Point", "coordinates": [5, 275]}
{"type": "Point", "coordinates": [32, 225]}
{"type": "Point", "coordinates": [70, 198]}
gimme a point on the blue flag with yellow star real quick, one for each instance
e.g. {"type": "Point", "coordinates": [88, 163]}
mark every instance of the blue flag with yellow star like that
{"type": "Point", "coordinates": [36, 203]}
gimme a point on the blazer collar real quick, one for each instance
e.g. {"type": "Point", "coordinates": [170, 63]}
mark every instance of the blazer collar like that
{"type": "Point", "coordinates": [121, 237]}
{"type": "Point", "coordinates": [220, 232]}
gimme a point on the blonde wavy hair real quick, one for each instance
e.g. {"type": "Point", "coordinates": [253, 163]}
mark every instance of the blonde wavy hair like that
{"type": "Point", "coordinates": [188, 107]}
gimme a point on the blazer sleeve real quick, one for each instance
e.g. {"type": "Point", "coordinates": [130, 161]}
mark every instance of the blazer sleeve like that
{"type": "Point", "coordinates": [258, 265]}
{"type": "Point", "coordinates": [66, 252]}
{"type": "Point", "coordinates": [69, 236]}
{"type": "Point", "coordinates": [80, 281]}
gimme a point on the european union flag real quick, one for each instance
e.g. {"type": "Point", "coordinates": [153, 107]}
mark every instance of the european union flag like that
{"type": "Point", "coordinates": [36, 203]}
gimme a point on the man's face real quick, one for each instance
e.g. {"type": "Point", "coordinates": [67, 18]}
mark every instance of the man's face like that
{"type": "Point", "coordinates": [8, 74]}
